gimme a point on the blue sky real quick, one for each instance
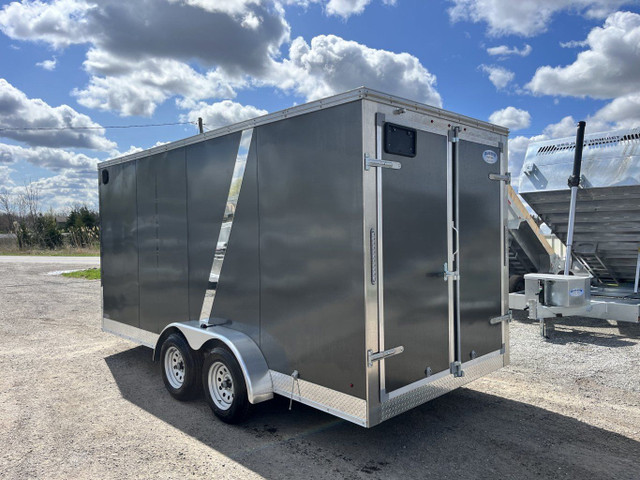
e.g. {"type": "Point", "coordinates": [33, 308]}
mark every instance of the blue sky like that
{"type": "Point", "coordinates": [536, 66]}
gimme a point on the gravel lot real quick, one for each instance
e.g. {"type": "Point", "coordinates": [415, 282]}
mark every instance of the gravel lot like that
{"type": "Point", "coordinates": [79, 403]}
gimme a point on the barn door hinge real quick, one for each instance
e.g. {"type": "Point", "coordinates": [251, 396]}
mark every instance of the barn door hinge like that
{"type": "Point", "coordinates": [506, 178]}
{"type": "Point", "coordinates": [453, 134]}
{"type": "Point", "coordinates": [376, 162]}
{"type": "Point", "coordinates": [456, 369]}
{"type": "Point", "coordinates": [448, 274]}
{"type": "Point", "coordinates": [374, 357]}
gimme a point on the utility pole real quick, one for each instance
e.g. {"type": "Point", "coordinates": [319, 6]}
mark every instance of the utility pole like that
{"type": "Point", "coordinates": [200, 127]}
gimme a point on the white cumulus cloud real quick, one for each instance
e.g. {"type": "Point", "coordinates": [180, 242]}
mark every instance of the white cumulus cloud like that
{"type": "Point", "coordinates": [511, 117]}
{"type": "Point", "coordinates": [137, 88]}
{"type": "Point", "coordinates": [339, 8]}
{"type": "Point", "coordinates": [623, 112]}
{"type": "Point", "coordinates": [54, 159]}
{"type": "Point", "coordinates": [33, 121]}
{"type": "Point", "coordinates": [499, 76]}
{"type": "Point", "coordinates": [346, 8]}
{"type": "Point", "coordinates": [48, 64]}
{"type": "Point", "coordinates": [610, 67]}
{"type": "Point", "coordinates": [526, 17]}
{"type": "Point", "coordinates": [222, 113]}
{"type": "Point", "coordinates": [67, 189]}
{"type": "Point", "coordinates": [142, 52]}
{"type": "Point", "coordinates": [505, 51]}
{"type": "Point", "coordinates": [331, 65]}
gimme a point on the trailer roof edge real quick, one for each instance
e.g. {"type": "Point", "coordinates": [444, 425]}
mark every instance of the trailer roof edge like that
{"type": "Point", "coordinates": [339, 99]}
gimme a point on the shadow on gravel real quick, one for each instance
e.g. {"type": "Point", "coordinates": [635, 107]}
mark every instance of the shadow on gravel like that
{"type": "Point", "coordinates": [563, 335]}
{"type": "Point", "coordinates": [464, 434]}
{"type": "Point", "coordinates": [572, 330]}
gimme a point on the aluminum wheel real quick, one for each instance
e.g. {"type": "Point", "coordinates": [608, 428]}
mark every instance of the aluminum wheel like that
{"type": "Point", "coordinates": [221, 385]}
{"type": "Point", "coordinates": [174, 367]}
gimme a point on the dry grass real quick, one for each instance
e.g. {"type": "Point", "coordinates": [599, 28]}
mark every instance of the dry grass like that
{"type": "Point", "coordinates": [58, 252]}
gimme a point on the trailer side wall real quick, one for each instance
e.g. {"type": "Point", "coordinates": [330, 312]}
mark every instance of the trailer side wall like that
{"type": "Point", "coordinates": [311, 247]}
{"type": "Point", "coordinates": [119, 240]}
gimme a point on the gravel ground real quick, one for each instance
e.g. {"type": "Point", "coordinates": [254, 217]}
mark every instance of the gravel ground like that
{"type": "Point", "coordinates": [79, 403]}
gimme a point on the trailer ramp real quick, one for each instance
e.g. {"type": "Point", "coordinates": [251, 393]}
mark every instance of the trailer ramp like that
{"type": "Point", "coordinates": [529, 250]}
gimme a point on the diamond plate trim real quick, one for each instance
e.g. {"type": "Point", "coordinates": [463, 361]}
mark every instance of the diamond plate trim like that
{"type": "Point", "coordinates": [425, 393]}
{"type": "Point", "coordinates": [331, 401]}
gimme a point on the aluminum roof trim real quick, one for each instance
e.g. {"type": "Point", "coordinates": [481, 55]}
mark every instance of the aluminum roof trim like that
{"type": "Point", "coordinates": [342, 98]}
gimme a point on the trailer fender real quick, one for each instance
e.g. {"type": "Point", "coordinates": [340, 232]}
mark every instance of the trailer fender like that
{"type": "Point", "coordinates": [253, 364]}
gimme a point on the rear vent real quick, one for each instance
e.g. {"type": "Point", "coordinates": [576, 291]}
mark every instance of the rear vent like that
{"type": "Point", "coordinates": [597, 142]}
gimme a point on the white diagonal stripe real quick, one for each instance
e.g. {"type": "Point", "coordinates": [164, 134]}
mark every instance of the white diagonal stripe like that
{"type": "Point", "coordinates": [227, 222]}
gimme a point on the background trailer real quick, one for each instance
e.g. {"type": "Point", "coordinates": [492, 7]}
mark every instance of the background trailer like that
{"type": "Point", "coordinates": [348, 253]}
{"type": "Point", "coordinates": [605, 253]}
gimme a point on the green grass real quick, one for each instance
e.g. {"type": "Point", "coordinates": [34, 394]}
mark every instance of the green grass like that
{"type": "Point", "coordinates": [89, 274]}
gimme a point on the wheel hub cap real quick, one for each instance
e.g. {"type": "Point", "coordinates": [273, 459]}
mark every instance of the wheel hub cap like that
{"type": "Point", "coordinates": [174, 367]}
{"type": "Point", "coordinates": [221, 386]}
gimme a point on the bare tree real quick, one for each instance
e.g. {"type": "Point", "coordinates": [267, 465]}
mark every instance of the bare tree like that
{"type": "Point", "coordinates": [8, 208]}
{"type": "Point", "coordinates": [31, 199]}
{"type": "Point", "coordinates": [22, 209]}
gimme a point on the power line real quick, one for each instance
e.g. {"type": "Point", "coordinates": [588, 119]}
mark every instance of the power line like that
{"type": "Point", "coordinates": [14, 129]}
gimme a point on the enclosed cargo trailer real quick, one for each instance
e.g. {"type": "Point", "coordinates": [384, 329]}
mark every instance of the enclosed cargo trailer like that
{"type": "Point", "coordinates": [348, 254]}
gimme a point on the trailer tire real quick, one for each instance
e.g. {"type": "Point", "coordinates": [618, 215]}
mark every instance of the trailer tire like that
{"type": "Point", "coordinates": [224, 387]}
{"type": "Point", "coordinates": [180, 368]}
{"type": "Point", "coordinates": [516, 283]}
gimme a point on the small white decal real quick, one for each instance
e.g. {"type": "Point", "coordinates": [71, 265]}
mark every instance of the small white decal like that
{"type": "Point", "coordinates": [576, 292]}
{"type": "Point", "coordinates": [490, 156]}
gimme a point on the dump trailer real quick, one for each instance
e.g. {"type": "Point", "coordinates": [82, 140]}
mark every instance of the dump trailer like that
{"type": "Point", "coordinates": [348, 254]}
{"type": "Point", "coordinates": [603, 228]}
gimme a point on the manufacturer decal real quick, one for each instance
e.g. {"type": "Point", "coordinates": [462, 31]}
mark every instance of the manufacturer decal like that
{"type": "Point", "coordinates": [490, 156]}
{"type": "Point", "coordinates": [576, 292]}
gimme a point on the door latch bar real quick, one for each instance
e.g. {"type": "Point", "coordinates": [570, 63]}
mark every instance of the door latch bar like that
{"type": "Point", "coordinates": [506, 178]}
{"type": "Point", "coordinates": [374, 357]}
{"type": "Point", "coordinates": [503, 318]}
{"type": "Point", "coordinates": [376, 162]}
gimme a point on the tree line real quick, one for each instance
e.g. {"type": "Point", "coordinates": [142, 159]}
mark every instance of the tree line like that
{"type": "Point", "coordinates": [21, 215]}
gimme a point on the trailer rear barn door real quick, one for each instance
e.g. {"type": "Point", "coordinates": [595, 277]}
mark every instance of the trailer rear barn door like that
{"type": "Point", "coordinates": [480, 249]}
{"type": "Point", "coordinates": [419, 309]}
{"type": "Point", "coordinates": [414, 239]}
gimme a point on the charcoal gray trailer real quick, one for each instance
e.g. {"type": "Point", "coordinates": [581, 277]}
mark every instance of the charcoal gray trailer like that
{"type": "Point", "coordinates": [348, 254]}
